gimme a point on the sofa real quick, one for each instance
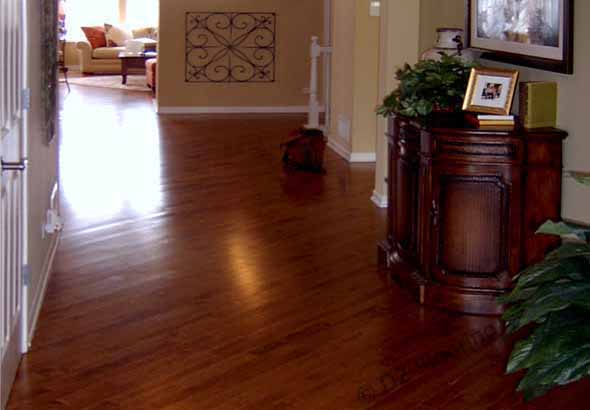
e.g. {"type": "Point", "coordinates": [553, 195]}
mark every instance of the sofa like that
{"type": "Point", "coordinates": [99, 52]}
{"type": "Point", "coordinates": [102, 60]}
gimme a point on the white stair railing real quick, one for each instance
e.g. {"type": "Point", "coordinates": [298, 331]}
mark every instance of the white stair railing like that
{"type": "Point", "coordinates": [316, 50]}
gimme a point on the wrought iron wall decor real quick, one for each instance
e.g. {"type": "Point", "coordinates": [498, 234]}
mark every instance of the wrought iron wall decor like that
{"type": "Point", "coordinates": [230, 47]}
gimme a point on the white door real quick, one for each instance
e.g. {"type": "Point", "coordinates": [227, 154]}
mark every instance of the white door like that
{"type": "Point", "coordinates": [11, 190]}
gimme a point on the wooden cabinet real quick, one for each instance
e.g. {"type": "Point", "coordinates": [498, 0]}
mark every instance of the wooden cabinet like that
{"type": "Point", "coordinates": [464, 205]}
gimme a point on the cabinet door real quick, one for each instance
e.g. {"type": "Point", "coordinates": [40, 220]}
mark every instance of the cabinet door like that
{"type": "Point", "coordinates": [406, 206]}
{"type": "Point", "coordinates": [405, 189]}
{"type": "Point", "coordinates": [474, 211]}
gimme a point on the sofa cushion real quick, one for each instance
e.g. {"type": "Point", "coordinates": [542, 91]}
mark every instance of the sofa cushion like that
{"type": "Point", "coordinates": [96, 36]}
{"type": "Point", "coordinates": [107, 53]}
{"type": "Point", "coordinates": [116, 35]}
{"type": "Point", "coordinates": [140, 45]}
{"type": "Point", "coordinates": [145, 32]}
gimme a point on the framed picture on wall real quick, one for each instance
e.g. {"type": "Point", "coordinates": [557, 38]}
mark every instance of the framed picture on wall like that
{"type": "Point", "coordinates": [533, 33]}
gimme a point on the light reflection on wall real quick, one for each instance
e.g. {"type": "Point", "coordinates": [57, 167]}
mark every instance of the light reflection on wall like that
{"type": "Point", "coordinates": [114, 165]}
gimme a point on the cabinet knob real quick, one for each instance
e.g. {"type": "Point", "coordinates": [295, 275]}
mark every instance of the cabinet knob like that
{"type": "Point", "coordinates": [393, 258]}
{"type": "Point", "coordinates": [434, 213]}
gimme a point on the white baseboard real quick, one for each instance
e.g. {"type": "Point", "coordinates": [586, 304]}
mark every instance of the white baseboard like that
{"type": "Point", "coordinates": [39, 296]}
{"type": "Point", "coordinates": [379, 200]}
{"type": "Point", "coordinates": [292, 109]}
{"type": "Point", "coordinates": [339, 148]}
{"type": "Point", "coordinates": [352, 157]}
{"type": "Point", "coordinates": [363, 157]}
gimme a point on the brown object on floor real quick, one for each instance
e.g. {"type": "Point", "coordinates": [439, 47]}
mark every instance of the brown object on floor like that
{"type": "Point", "coordinates": [305, 151]}
{"type": "Point", "coordinates": [466, 205]}
{"type": "Point", "coordinates": [187, 279]}
{"type": "Point", "coordinates": [150, 72]}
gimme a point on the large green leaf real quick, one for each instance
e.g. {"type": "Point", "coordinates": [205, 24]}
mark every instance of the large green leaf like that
{"type": "Point", "coordinates": [576, 268]}
{"type": "Point", "coordinates": [581, 177]}
{"type": "Point", "coordinates": [562, 369]}
{"type": "Point", "coordinates": [562, 332]}
{"type": "Point", "coordinates": [564, 230]}
{"type": "Point", "coordinates": [570, 250]}
{"type": "Point", "coordinates": [554, 295]}
{"type": "Point", "coordinates": [520, 354]}
{"type": "Point", "coordinates": [551, 298]}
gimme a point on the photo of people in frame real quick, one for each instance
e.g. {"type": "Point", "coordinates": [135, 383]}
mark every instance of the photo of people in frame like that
{"type": "Point", "coordinates": [492, 91]}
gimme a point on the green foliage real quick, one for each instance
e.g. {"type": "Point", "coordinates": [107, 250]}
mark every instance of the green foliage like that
{"type": "Point", "coordinates": [428, 85]}
{"type": "Point", "coordinates": [581, 177]}
{"type": "Point", "coordinates": [554, 297]}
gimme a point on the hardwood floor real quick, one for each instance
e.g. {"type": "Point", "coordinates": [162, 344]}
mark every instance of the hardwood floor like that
{"type": "Point", "coordinates": [194, 274]}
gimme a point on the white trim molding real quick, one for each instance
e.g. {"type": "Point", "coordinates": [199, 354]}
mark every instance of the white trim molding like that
{"type": "Point", "coordinates": [37, 300]}
{"type": "Point", "coordinates": [379, 200]}
{"type": "Point", "coordinates": [363, 157]}
{"type": "Point", "coordinates": [291, 109]}
{"type": "Point", "coordinates": [352, 157]}
{"type": "Point", "coordinates": [338, 148]}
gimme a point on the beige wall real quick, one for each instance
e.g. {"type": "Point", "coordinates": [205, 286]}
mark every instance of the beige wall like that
{"type": "Point", "coordinates": [399, 43]}
{"type": "Point", "coordinates": [343, 44]}
{"type": "Point", "coordinates": [366, 79]}
{"type": "Point", "coordinates": [355, 74]}
{"type": "Point", "coordinates": [43, 162]}
{"type": "Point", "coordinates": [297, 21]}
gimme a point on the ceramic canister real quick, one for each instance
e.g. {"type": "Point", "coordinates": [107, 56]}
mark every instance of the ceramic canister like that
{"type": "Point", "coordinates": [448, 41]}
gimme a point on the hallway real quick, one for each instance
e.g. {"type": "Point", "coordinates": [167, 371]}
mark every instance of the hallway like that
{"type": "Point", "coordinates": [194, 274]}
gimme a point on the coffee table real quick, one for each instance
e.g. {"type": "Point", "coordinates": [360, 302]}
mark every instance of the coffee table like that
{"type": "Point", "coordinates": [133, 60]}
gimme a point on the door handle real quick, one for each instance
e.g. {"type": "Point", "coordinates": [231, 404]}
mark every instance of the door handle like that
{"type": "Point", "coordinates": [435, 213]}
{"type": "Point", "coordinates": [14, 166]}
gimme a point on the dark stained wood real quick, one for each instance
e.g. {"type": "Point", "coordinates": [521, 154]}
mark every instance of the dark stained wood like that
{"type": "Point", "coordinates": [195, 274]}
{"type": "Point", "coordinates": [465, 207]}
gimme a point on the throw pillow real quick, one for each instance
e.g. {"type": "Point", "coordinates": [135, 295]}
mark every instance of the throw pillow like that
{"type": "Point", "coordinates": [95, 36]}
{"type": "Point", "coordinates": [116, 36]}
{"type": "Point", "coordinates": [145, 32]}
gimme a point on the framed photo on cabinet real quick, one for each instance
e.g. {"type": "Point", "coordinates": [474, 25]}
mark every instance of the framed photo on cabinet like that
{"type": "Point", "coordinates": [490, 91]}
{"type": "Point", "coordinates": [533, 33]}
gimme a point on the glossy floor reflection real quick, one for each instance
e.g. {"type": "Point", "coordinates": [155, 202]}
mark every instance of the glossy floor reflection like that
{"type": "Point", "coordinates": [110, 158]}
{"type": "Point", "coordinates": [193, 273]}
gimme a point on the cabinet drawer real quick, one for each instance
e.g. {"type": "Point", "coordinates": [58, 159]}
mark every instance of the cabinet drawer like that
{"type": "Point", "coordinates": [495, 150]}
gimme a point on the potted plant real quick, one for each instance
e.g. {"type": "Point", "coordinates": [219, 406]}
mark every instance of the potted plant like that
{"type": "Point", "coordinates": [428, 86]}
{"type": "Point", "coordinates": [552, 299]}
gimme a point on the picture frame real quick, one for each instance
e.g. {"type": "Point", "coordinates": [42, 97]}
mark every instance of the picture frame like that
{"type": "Point", "coordinates": [531, 33]}
{"type": "Point", "coordinates": [490, 91]}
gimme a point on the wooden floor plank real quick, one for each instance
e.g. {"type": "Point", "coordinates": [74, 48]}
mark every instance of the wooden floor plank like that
{"type": "Point", "coordinates": [195, 273]}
